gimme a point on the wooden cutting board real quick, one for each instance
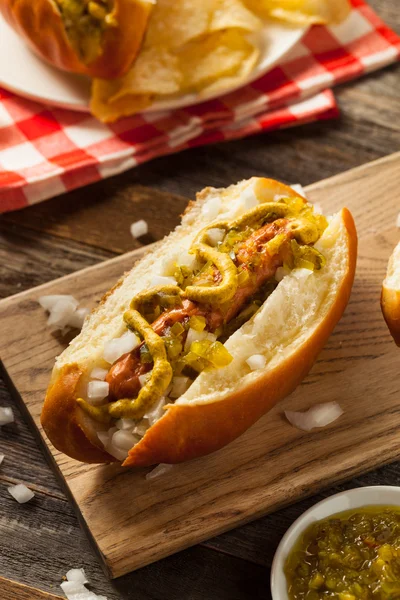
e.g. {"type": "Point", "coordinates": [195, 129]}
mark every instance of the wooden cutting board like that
{"type": "Point", "coordinates": [10, 590]}
{"type": "Point", "coordinates": [133, 521]}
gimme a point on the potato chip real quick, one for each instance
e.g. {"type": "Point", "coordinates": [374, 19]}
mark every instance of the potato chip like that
{"type": "Point", "coordinates": [173, 23]}
{"type": "Point", "coordinates": [218, 55]}
{"type": "Point", "coordinates": [156, 71]}
{"type": "Point", "coordinates": [224, 84]}
{"type": "Point", "coordinates": [232, 14]}
{"type": "Point", "coordinates": [302, 12]}
{"type": "Point", "coordinates": [102, 109]}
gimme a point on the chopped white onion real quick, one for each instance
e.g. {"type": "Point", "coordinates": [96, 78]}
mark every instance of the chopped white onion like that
{"type": "Point", "coordinates": [185, 260]}
{"type": "Point", "coordinates": [6, 415]}
{"type": "Point", "coordinates": [74, 588]}
{"type": "Point", "coordinates": [104, 437]}
{"type": "Point", "coordinates": [48, 302]}
{"type": "Point", "coordinates": [211, 208]}
{"type": "Point", "coordinates": [157, 280]}
{"type": "Point", "coordinates": [179, 386]}
{"type": "Point", "coordinates": [299, 189]}
{"type": "Point", "coordinates": [97, 390]}
{"type": "Point", "coordinates": [114, 349]}
{"type": "Point", "coordinates": [2, 457]}
{"type": "Point", "coordinates": [161, 469]}
{"type": "Point", "coordinates": [124, 440]}
{"type": "Point", "coordinates": [319, 415]}
{"type": "Point", "coordinates": [141, 428]}
{"type": "Point", "coordinates": [77, 591]}
{"type": "Point", "coordinates": [302, 273]}
{"type": "Point", "coordinates": [215, 235]}
{"type": "Point", "coordinates": [139, 228]}
{"type": "Point", "coordinates": [125, 424]}
{"type": "Point", "coordinates": [257, 361]}
{"type": "Point", "coordinates": [118, 453]}
{"type": "Point", "coordinates": [78, 317]}
{"type": "Point", "coordinates": [144, 378]}
{"type": "Point", "coordinates": [398, 221]}
{"type": "Point", "coordinates": [21, 493]}
{"type": "Point", "coordinates": [281, 272]}
{"type": "Point", "coordinates": [168, 267]}
{"type": "Point", "coordinates": [318, 208]}
{"type": "Point", "coordinates": [61, 312]}
{"type": "Point", "coordinates": [156, 411]}
{"type": "Point", "coordinates": [194, 336]}
{"type": "Point", "coordinates": [248, 198]}
{"type": "Point", "coordinates": [98, 373]}
{"type": "Point", "coordinates": [77, 575]}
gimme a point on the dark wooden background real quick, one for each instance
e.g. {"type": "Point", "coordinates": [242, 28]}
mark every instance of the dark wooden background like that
{"type": "Point", "coordinates": [40, 541]}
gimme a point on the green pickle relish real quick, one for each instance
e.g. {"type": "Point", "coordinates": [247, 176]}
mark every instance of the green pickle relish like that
{"type": "Point", "coordinates": [353, 555]}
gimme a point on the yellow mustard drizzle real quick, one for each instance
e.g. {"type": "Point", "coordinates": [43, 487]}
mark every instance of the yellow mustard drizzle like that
{"type": "Point", "coordinates": [306, 228]}
{"type": "Point", "coordinates": [149, 295]}
{"type": "Point", "coordinates": [161, 376]}
{"type": "Point", "coordinates": [225, 265]}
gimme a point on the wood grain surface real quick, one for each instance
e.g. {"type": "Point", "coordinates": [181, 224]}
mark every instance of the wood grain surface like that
{"type": "Point", "coordinates": [134, 521]}
{"type": "Point", "coordinates": [40, 541]}
{"type": "Point", "coordinates": [11, 591]}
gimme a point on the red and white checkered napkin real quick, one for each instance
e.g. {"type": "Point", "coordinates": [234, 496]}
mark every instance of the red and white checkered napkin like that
{"type": "Point", "coordinates": [45, 152]}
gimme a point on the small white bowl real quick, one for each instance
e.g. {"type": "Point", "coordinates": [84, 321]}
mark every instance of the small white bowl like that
{"type": "Point", "coordinates": [347, 500]}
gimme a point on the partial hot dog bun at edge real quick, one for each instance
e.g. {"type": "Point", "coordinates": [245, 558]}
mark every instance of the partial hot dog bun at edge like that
{"type": "Point", "coordinates": [390, 297]}
{"type": "Point", "coordinates": [41, 25]}
{"type": "Point", "coordinates": [289, 330]}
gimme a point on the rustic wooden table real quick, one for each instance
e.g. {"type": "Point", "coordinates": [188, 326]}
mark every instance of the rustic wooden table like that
{"type": "Point", "coordinates": [40, 541]}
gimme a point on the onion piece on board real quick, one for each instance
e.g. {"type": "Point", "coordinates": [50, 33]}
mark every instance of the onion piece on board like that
{"type": "Point", "coordinates": [6, 415]}
{"type": "Point", "coordinates": [77, 575]}
{"type": "Point", "coordinates": [139, 228]}
{"type": "Point", "coordinates": [21, 493]}
{"type": "Point", "coordinates": [319, 415]}
{"type": "Point", "coordinates": [161, 469]}
{"type": "Point", "coordinates": [78, 317]}
{"type": "Point", "coordinates": [48, 302]}
{"type": "Point", "coordinates": [61, 313]}
{"type": "Point", "coordinates": [77, 591]}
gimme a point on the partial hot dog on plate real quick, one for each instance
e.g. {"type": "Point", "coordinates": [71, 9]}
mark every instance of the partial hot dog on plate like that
{"type": "Point", "coordinates": [207, 332]}
{"type": "Point", "coordinates": [99, 38]}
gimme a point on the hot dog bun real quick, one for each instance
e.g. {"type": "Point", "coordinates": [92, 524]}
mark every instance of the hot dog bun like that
{"type": "Point", "coordinates": [41, 24]}
{"type": "Point", "coordinates": [390, 296]}
{"type": "Point", "coordinates": [289, 330]}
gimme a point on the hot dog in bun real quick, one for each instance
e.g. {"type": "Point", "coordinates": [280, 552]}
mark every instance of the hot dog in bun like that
{"type": "Point", "coordinates": [99, 38]}
{"type": "Point", "coordinates": [207, 332]}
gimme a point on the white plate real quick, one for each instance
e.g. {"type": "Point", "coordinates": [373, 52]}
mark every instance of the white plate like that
{"type": "Point", "coordinates": [22, 72]}
{"type": "Point", "coordinates": [347, 500]}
